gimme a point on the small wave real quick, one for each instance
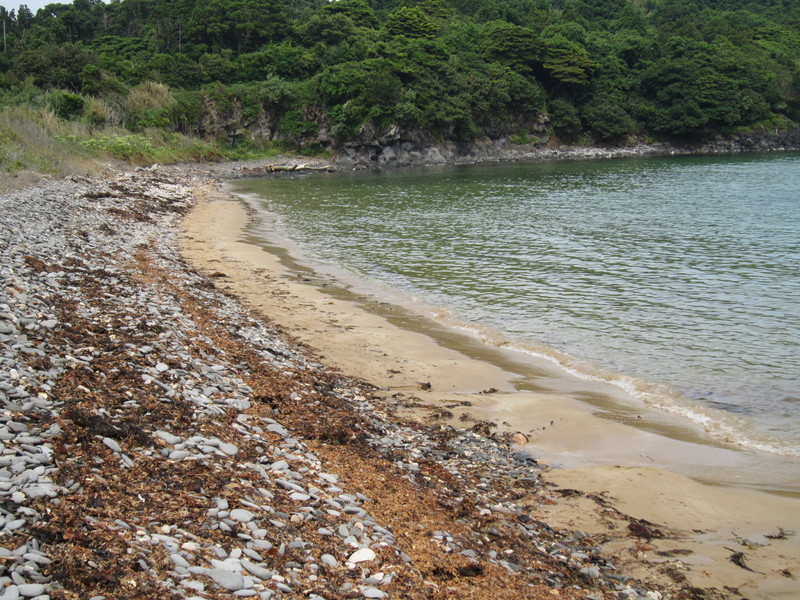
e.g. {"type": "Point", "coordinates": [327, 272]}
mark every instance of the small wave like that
{"type": "Point", "coordinates": [721, 425]}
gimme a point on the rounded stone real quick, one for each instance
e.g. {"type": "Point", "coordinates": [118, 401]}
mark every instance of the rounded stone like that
{"type": "Point", "coordinates": [112, 444]}
{"type": "Point", "coordinates": [362, 555]}
{"type": "Point", "coordinates": [30, 590]}
{"type": "Point", "coordinates": [242, 515]}
{"type": "Point", "coordinates": [228, 580]}
{"type": "Point", "coordinates": [328, 560]}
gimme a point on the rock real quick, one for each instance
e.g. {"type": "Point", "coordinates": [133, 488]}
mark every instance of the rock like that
{"type": "Point", "coordinates": [519, 438]}
{"type": "Point", "coordinates": [10, 593]}
{"type": "Point", "coordinates": [179, 561]}
{"type": "Point", "coordinates": [29, 590]}
{"type": "Point", "coordinates": [226, 579]}
{"type": "Point", "coordinates": [279, 429]}
{"type": "Point", "coordinates": [362, 555]}
{"type": "Point", "coordinates": [329, 477]}
{"type": "Point", "coordinates": [168, 437]}
{"type": "Point", "coordinates": [257, 570]}
{"type": "Point", "coordinates": [329, 561]}
{"type": "Point", "coordinates": [242, 515]}
{"type": "Point", "coordinates": [112, 444]}
{"type": "Point", "coordinates": [228, 449]}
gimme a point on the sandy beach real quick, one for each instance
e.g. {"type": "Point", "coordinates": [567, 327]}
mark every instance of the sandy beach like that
{"type": "Point", "coordinates": [736, 541]}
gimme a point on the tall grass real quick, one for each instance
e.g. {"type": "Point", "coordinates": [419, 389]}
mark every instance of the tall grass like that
{"type": "Point", "coordinates": [60, 133]}
{"type": "Point", "coordinates": [37, 139]}
{"type": "Point", "coordinates": [33, 138]}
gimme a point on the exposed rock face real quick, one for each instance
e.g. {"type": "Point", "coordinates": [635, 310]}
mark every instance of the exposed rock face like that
{"type": "Point", "coordinates": [230, 122]}
{"type": "Point", "coordinates": [402, 149]}
{"type": "Point", "coordinates": [757, 141]}
{"type": "Point", "coordinates": [397, 146]}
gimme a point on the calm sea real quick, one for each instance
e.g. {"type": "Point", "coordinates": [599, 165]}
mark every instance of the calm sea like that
{"type": "Point", "coordinates": [675, 279]}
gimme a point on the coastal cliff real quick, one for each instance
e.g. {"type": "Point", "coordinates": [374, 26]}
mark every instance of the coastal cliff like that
{"type": "Point", "coordinates": [398, 148]}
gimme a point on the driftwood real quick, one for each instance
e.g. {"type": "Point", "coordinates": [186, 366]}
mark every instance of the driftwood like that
{"type": "Point", "coordinates": [296, 167]}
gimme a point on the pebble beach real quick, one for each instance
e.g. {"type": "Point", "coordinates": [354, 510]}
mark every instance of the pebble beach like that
{"type": "Point", "coordinates": [160, 438]}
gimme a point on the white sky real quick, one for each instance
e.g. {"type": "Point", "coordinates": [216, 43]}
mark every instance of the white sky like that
{"type": "Point", "coordinates": [34, 5]}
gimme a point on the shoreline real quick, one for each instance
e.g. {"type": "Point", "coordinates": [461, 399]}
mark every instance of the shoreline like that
{"type": "Point", "coordinates": [162, 438]}
{"type": "Point", "coordinates": [605, 422]}
{"type": "Point", "coordinates": [361, 343]}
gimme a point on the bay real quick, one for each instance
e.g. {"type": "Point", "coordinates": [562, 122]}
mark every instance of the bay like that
{"type": "Point", "coordinates": [674, 279]}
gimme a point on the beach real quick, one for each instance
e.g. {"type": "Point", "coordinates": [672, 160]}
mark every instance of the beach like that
{"type": "Point", "coordinates": [399, 361]}
{"type": "Point", "coordinates": [186, 417]}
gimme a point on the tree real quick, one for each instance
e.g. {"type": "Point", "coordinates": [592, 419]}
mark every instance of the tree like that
{"type": "Point", "coordinates": [412, 23]}
{"type": "Point", "coordinates": [242, 25]}
{"type": "Point", "coordinates": [54, 66]}
{"type": "Point", "coordinates": [694, 90]}
{"type": "Point", "coordinates": [511, 45]}
{"type": "Point", "coordinates": [358, 11]}
{"type": "Point", "coordinates": [566, 61]}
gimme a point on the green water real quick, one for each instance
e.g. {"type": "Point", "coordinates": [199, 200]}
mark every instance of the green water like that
{"type": "Point", "coordinates": [677, 280]}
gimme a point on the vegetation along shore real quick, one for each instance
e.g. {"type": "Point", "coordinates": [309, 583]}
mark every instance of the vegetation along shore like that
{"type": "Point", "coordinates": [158, 81]}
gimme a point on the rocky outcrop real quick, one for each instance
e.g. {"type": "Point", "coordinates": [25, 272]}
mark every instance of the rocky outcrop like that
{"type": "Point", "coordinates": [394, 148]}
{"type": "Point", "coordinates": [763, 140]}
{"type": "Point", "coordinates": [230, 122]}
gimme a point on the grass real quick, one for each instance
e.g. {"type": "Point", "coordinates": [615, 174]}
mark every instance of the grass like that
{"type": "Point", "coordinates": [29, 140]}
{"type": "Point", "coordinates": [35, 139]}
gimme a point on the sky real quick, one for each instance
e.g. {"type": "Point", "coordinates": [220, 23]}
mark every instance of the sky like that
{"type": "Point", "coordinates": [34, 5]}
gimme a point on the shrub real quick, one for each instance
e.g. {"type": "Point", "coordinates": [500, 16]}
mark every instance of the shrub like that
{"type": "Point", "coordinates": [147, 105]}
{"type": "Point", "coordinates": [65, 105]}
{"type": "Point", "coordinates": [100, 113]}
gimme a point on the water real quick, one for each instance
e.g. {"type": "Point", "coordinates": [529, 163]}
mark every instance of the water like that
{"type": "Point", "coordinates": [675, 279]}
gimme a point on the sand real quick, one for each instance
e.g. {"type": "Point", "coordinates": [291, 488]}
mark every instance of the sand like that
{"type": "Point", "coordinates": [698, 530]}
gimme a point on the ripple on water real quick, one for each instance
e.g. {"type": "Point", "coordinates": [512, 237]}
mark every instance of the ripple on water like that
{"type": "Point", "coordinates": [679, 273]}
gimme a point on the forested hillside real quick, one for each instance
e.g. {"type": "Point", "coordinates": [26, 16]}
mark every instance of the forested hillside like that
{"type": "Point", "coordinates": [318, 73]}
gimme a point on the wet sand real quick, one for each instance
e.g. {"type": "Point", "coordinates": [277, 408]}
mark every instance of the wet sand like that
{"type": "Point", "coordinates": [703, 526]}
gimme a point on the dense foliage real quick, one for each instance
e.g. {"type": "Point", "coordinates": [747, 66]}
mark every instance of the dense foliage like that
{"type": "Point", "coordinates": [327, 72]}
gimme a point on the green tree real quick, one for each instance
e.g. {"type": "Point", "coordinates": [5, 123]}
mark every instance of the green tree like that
{"type": "Point", "coordinates": [412, 23]}
{"type": "Point", "coordinates": [358, 11]}
{"type": "Point", "coordinates": [242, 25]}
{"type": "Point", "coordinates": [511, 45]}
{"type": "Point", "coordinates": [565, 119]}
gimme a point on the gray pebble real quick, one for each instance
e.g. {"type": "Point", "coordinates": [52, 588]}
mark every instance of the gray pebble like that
{"type": "Point", "coordinates": [257, 570]}
{"type": "Point", "coordinates": [112, 444]}
{"type": "Point", "coordinates": [29, 590]}
{"type": "Point", "coordinates": [242, 515]}
{"type": "Point", "coordinates": [226, 579]}
{"type": "Point", "coordinates": [229, 449]}
{"type": "Point", "coordinates": [328, 560]}
{"type": "Point", "coordinates": [168, 437]}
{"type": "Point", "coordinates": [179, 561]}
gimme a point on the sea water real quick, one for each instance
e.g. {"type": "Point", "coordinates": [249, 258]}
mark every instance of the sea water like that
{"type": "Point", "coordinates": [676, 280]}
